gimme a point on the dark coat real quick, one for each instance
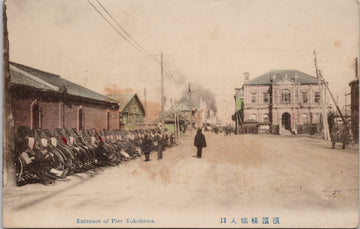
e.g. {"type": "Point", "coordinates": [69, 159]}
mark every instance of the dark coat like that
{"type": "Point", "coordinates": [146, 145]}
{"type": "Point", "coordinates": [199, 140]}
{"type": "Point", "coordinates": [164, 140]}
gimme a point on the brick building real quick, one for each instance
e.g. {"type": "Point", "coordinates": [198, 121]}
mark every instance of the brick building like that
{"type": "Point", "coordinates": [44, 100]}
{"type": "Point", "coordinates": [295, 99]}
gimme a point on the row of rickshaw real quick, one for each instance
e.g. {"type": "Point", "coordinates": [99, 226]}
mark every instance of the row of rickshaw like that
{"type": "Point", "coordinates": [44, 155]}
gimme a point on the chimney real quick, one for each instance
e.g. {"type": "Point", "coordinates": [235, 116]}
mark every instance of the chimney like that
{"type": "Point", "coordinates": [246, 77]}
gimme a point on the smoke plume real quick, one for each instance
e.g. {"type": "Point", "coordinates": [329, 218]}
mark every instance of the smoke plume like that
{"type": "Point", "coordinates": [204, 94]}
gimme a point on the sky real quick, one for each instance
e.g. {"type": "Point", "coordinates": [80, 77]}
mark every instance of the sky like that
{"type": "Point", "coordinates": [204, 42]}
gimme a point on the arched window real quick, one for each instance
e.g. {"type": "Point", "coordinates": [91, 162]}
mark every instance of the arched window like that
{"type": "Point", "coordinates": [108, 120]}
{"type": "Point", "coordinates": [81, 119]}
{"type": "Point", "coordinates": [253, 97]}
{"type": "Point", "coordinates": [285, 96]}
{"type": "Point", "coordinates": [36, 116]}
{"type": "Point", "coordinates": [266, 98]}
{"type": "Point", "coordinates": [253, 117]}
{"type": "Point", "coordinates": [265, 118]}
{"type": "Point", "coordinates": [317, 97]}
{"type": "Point", "coordinates": [304, 118]}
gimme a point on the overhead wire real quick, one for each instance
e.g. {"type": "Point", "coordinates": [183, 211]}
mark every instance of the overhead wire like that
{"type": "Point", "coordinates": [118, 31]}
{"type": "Point", "coordinates": [124, 30]}
{"type": "Point", "coordinates": [131, 40]}
{"type": "Point", "coordinates": [170, 74]}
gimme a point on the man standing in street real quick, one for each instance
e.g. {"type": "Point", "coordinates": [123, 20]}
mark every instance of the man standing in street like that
{"type": "Point", "coordinates": [159, 139]}
{"type": "Point", "coordinates": [146, 147]}
{"type": "Point", "coordinates": [199, 142]}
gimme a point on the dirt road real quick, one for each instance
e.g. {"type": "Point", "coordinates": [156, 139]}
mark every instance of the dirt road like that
{"type": "Point", "coordinates": [288, 180]}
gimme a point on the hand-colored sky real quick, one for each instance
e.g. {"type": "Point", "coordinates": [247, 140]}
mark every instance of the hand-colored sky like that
{"type": "Point", "coordinates": [206, 42]}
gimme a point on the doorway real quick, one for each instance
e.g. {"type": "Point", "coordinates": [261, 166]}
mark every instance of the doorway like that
{"type": "Point", "coordinates": [286, 121]}
{"type": "Point", "coordinates": [35, 116]}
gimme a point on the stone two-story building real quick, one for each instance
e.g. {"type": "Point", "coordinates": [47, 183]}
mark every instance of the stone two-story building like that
{"type": "Point", "coordinates": [287, 98]}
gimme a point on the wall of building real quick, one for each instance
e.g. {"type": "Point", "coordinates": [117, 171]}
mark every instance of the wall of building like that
{"type": "Point", "coordinates": [132, 115]}
{"type": "Point", "coordinates": [94, 116]}
{"type": "Point", "coordinates": [297, 109]}
{"type": "Point", "coordinates": [21, 110]}
{"type": "Point", "coordinates": [51, 115]}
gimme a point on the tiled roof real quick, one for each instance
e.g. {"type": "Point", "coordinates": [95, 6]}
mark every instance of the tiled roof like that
{"type": "Point", "coordinates": [31, 77]}
{"type": "Point", "coordinates": [278, 75]}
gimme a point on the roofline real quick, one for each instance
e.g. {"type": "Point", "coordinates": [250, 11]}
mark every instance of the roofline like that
{"type": "Point", "coordinates": [138, 99]}
{"type": "Point", "coordinates": [14, 63]}
{"type": "Point", "coordinates": [61, 95]}
{"type": "Point", "coordinates": [54, 86]}
{"type": "Point", "coordinates": [293, 70]}
{"type": "Point", "coordinates": [88, 89]}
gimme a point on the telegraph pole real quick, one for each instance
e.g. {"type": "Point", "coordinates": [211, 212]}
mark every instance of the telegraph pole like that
{"type": "Point", "coordinates": [9, 176]}
{"type": "Point", "coordinates": [322, 99]}
{"type": "Point", "coordinates": [146, 110]}
{"type": "Point", "coordinates": [178, 125]}
{"type": "Point", "coordinates": [271, 103]}
{"type": "Point", "coordinates": [162, 91]}
{"type": "Point", "coordinates": [345, 107]}
{"type": "Point", "coordinates": [190, 92]}
{"type": "Point", "coordinates": [236, 116]}
{"type": "Point", "coordinates": [356, 68]}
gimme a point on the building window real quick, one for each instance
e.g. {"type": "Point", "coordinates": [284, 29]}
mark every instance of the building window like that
{"type": "Point", "coordinates": [265, 118]}
{"type": "Point", "coordinates": [304, 118]}
{"type": "Point", "coordinates": [285, 96]}
{"type": "Point", "coordinates": [253, 117]}
{"type": "Point", "coordinates": [317, 97]}
{"type": "Point", "coordinates": [253, 97]}
{"type": "Point", "coordinates": [120, 119]}
{"type": "Point", "coordinates": [266, 97]}
{"type": "Point", "coordinates": [36, 116]}
{"type": "Point", "coordinates": [304, 97]}
{"type": "Point", "coordinates": [81, 119]}
{"type": "Point", "coordinates": [315, 117]}
{"type": "Point", "coordinates": [125, 119]}
{"type": "Point", "coordinates": [108, 120]}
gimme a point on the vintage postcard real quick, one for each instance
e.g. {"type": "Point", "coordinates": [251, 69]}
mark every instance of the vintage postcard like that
{"type": "Point", "coordinates": [191, 114]}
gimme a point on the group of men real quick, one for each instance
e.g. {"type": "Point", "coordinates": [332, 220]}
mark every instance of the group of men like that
{"type": "Point", "coordinates": [158, 142]}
